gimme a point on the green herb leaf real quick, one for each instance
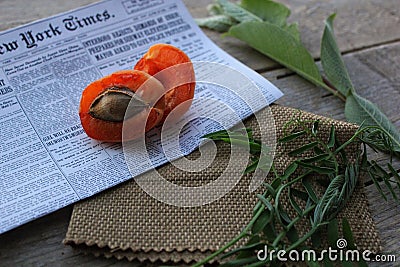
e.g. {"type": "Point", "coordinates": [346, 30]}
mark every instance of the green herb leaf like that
{"type": "Point", "coordinates": [298, 193]}
{"type": "Point", "coordinates": [291, 137]}
{"type": "Point", "coordinates": [219, 23]}
{"type": "Point", "coordinates": [267, 10]}
{"type": "Point", "coordinates": [214, 9]}
{"type": "Point", "coordinates": [237, 12]}
{"type": "Point", "coordinates": [348, 234]}
{"type": "Point", "coordinates": [293, 29]}
{"type": "Point", "coordinates": [289, 170]}
{"type": "Point", "coordinates": [316, 239]}
{"type": "Point", "coordinates": [280, 45]}
{"type": "Point", "coordinates": [261, 222]}
{"type": "Point", "coordinates": [293, 202]}
{"type": "Point", "coordinates": [292, 235]}
{"type": "Point", "coordinates": [395, 175]}
{"type": "Point", "coordinates": [377, 185]}
{"type": "Point", "coordinates": [333, 232]}
{"type": "Point", "coordinates": [264, 201]}
{"type": "Point", "coordinates": [284, 215]}
{"type": "Point", "coordinates": [317, 169]}
{"type": "Point", "coordinates": [316, 158]}
{"type": "Point", "coordinates": [303, 149]}
{"type": "Point", "coordinates": [331, 141]}
{"type": "Point", "coordinates": [329, 200]}
{"type": "Point", "coordinates": [314, 128]}
{"type": "Point", "coordinates": [385, 176]}
{"type": "Point", "coordinates": [310, 190]}
{"type": "Point", "coordinates": [318, 151]}
{"type": "Point", "coordinates": [251, 167]}
{"type": "Point", "coordinates": [332, 61]}
{"type": "Point", "coordinates": [270, 190]}
{"type": "Point", "coordinates": [362, 111]}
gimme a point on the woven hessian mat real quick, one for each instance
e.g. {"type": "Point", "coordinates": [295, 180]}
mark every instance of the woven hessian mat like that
{"type": "Point", "coordinates": [125, 222]}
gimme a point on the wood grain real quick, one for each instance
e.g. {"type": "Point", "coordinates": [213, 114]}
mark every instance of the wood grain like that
{"type": "Point", "coordinates": [368, 31]}
{"type": "Point", "coordinates": [359, 24]}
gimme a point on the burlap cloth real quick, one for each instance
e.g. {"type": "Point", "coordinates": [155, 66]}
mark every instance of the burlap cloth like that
{"type": "Point", "coordinates": [125, 222]}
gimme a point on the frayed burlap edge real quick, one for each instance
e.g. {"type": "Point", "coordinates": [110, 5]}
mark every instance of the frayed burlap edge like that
{"type": "Point", "coordinates": [124, 222]}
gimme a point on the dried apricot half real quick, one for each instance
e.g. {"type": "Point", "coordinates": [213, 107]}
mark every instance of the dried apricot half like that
{"type": "Point", "coordinates": [173, 68]}
{"type": "Point", "coordinates": [104, 105]}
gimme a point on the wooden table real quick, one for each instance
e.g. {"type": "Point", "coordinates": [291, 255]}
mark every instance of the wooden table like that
{"type": "Point", "coordinates": [368, 33]}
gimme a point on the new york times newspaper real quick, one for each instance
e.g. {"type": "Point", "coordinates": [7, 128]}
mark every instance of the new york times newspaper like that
{"type": "Point", "coordinates": [46, 159]}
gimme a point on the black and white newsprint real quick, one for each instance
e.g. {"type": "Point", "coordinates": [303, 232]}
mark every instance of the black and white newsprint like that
{"type": "Point", "coordinates": [46, 159]}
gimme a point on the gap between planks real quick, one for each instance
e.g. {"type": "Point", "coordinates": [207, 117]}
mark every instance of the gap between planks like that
{"type": "Point", "coordinates": [287, 72]}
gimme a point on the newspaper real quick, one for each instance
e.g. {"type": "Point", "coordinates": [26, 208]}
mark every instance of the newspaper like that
{"type": "Point", "coordinates": [46, 160]}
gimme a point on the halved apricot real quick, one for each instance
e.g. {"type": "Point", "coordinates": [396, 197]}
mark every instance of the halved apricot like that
{"type": "Point", "coordinates": [104, 105]}
{"type": "Point", "coordinates": [173, 68]}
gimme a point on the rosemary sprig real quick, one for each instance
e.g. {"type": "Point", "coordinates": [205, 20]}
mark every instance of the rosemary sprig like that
{"type": "Point", "coordinates": [271, 223]}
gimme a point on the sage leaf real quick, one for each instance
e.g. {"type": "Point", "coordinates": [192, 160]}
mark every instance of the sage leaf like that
{"type": "Point", "coordinates": [214, 9]}
{"type": "Point", "coordinates": [267, 10]}
{"type": "Point", "coordinates": [237, 12]}
{"type": "Point", "coordinates": [280, 45]}
{"type": "Point", "coordinates": [362, 111]}
{"type": "Point", "coordinates": [332, 62]}
{"type": "Point", "coordinates": [219, 23]}
{"type": "Point", "coordinates": [293, 29]}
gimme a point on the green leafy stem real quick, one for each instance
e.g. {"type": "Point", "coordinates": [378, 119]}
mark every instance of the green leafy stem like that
{"type": "Point", "coordinates": [327, 160]}
{"type": "Point", "coordinates": [263, 26]}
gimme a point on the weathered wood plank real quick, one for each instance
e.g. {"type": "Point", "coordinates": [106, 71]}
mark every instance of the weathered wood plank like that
{"type": "Point", "coordinates": [387, 216]}
{"type": "Point", "coordinates": [374, 73]}
{"type": "Point", "coordinates": [359, 24]}
{"type": "Point", "coordinates": [16, 13]}
{"type": "Point", "coordinates": [40, 241]}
